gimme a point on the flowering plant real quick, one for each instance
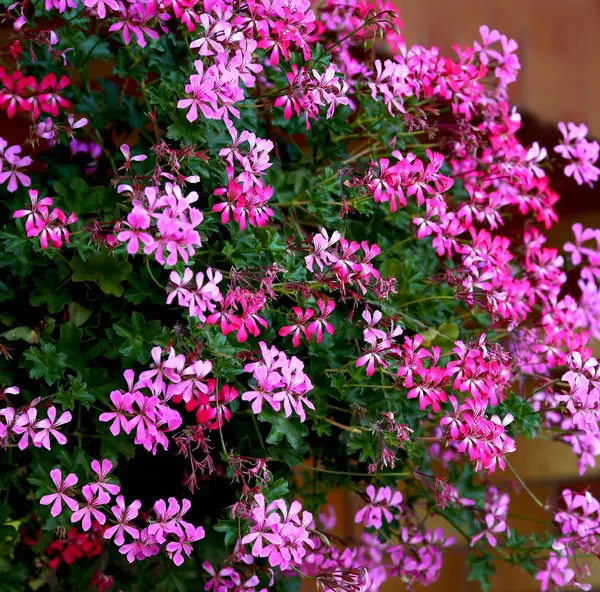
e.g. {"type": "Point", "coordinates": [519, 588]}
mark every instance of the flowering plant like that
{"type": "Point", "coordinates": [248, 260]}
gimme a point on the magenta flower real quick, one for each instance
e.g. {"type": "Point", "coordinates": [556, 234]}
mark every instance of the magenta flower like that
{"type": "Point", "coordinates": [264, 529]}
{"type": "Point", "coordinates": [381, 502]}
{"type": "Point", "coordinates": [141, 548]}
{"type": "Point", "coordinates": [25, 424]}
{"type": "Point", "coordinates": [48, 427]}
{"type": "Point", "coordinates": [122, 403]}
{"type": "Point", "coordinates": [326, 307]}
{"type": "Point", "coordinates": [492, 527]}
{"type": "Point", "coordinates": [90, 508]}
{"type": "Point", "coordinates": [102, 471]}
{"type": "Point", "coordinates": [56, 499]}
{"type": "Point", "coordinates": [299, 327]}
{"type": "Point", "coordinates": [556, 573]}
{"type": "Point", "coordinates": [124, 515]}
{"type": "Point", "coordinates": [38, 209]}
{"type": "Point", "coordinates": [168, 519]}
{"type": "Point", "coordinates": [100, 6]}
{"type": "Point", "coordinates": [224, 579]}
{"type": "Point", "coordinates": [177, 549]}
{"type": "Point", "coordinates": [13, 175]}
{"type": "Point", "coordinates": [138, 221]}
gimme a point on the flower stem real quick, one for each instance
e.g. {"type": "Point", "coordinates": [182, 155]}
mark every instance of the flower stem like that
{"type": "Point", "coordinates": [352, 474]}
{"type": "Point", "coordinates": [524, 486]}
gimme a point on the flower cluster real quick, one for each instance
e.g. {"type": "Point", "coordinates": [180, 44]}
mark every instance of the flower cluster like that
{"type": "Point", "coordinates": [164, 222]}
{"type": "Point", "coordinates": [279, 533]}
{"type": "Point", "coordinates": [415, 556]}
{"type": "Point", "coordinates": [49, 225]}
{"type": "Point", "coordinates": [279, 380]}
{"type": "Point", "coordinates": [494, 519]}
{"type": "Point", "coordinates": [10, 165]}
{"type": "Point", "coordinates": [245, 194]}
{"type": "Point", "coordinates": [22, 424]}
{"type": "Point", "coordinates": [305, 324]}
{"type": "Point", "coordinates": [308, 91]}
{"type": "Point", "coordinates": [579, 525]}
{"type": "Point", "coordinates": [20, 93]}
{"type": "Point", "coordinates": [343, 263]}
{"type": "Point", "coordinates": [380, 506]}
{"type": "Point", "coordinates": [166, 528]}
{"type": "Point", "coordinates": [580, 153]}
{"type": "Point", "coordinates": [149, 415]}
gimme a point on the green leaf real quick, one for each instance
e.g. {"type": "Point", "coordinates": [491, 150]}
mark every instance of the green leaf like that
{"type": "Point", "coordinates": [45, 362]}
{"type": "Point", "coordinates": [13, 576]}
{"type": "Point", "coordinates": [25, 333]}
{"type": "Point", "coordinates": [107, 271]}
{"type": "Point", "coordinates": [481, 569]}
{"type": "Point", "coordinates": [276, 490]}
{"type": "Point", "coordinates": [47, 293]}
{"type": "Point", "coordinates": [281, 426]}
{"type": "Point", "coordinates": [141, 289]}
{"type": "Point", "coordinates": [78, 314]}
{"type": "Point", "coordinates": [69, 345]}
{"type": "Point", "coordinates": [229, 527]}
{"type": "Point", "coordinates": [526, 419]}
{"type": "Point", "coordinates": [139, 336]}
{"type": "Point", "coordinates": [76, 391]}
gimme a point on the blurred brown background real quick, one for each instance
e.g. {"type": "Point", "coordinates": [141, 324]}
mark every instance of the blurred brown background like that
{"type": "Point", "coordinates": [559, 47]}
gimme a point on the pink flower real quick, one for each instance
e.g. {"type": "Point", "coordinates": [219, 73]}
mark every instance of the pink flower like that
{"type": "Point", "coordinates": [124, 515]}
{"type": "Point", "coordinates": [177, 549]}
{"type": "Point", "coordinates": [60, 496]}
{"type": "Point", "coordinates": [224, 579]}
{"type": "Point", "coordinates": [320, 252]}
{"type": "Point", "coordinates": [102, 471]}
{"type": "Point", "coordinates": [38, 209]}
{"type": "Point", "coordinates": [492, 527]}
{"type": "Point", "coordinates": [126, 151]}
{"type": "Point", "coordinates": [122, 406]}
{"type": "Point", "coordinates": [14, 176]}
{"type": "Point", "coordinates": [48, 426]}
{"type": "Point", "coordinates": [264, 529]}
{"type": "Point", "coordinates": [299, 327]}
{"type": "Point", "coordinates": [168, 519]}
{"type": "Point", "coordinates": [90, 509]}
{"type": "Point", "coordinates": [326, 307]}
{"type": "Point", "coordinates": [100, 6]}
{"type": "Point", "coordinates": [378, 507]}
{"type": "Point", "coordinates": [138, 221]}
{"type": "Point", "coordinates": [556, 573]}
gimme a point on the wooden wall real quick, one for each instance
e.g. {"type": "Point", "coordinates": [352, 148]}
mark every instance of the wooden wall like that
{"type": "Point", "coordinates": [559, 47]}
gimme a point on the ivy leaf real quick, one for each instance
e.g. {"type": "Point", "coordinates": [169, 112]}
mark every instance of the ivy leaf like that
{"type": "Point", "coordinates": [281, 426]}
{"type": "Point", "coordinates": [25, 333]}
{"type": "Point", "coordinates": [77, 391]}
{"type": "Point", "coordinates": [481, 569]}
{"type": "Point", "coordinates": [276, 490]}
{"type": "Point", "coordinates": [69, 345]}
{"type": "Point", "coordinates": [141, 289]}
{"type": "Point", "coordinates": [108, 272]}
{"type": "Point", "coordinates": [76, 195]}
{"type": "Point", "coordinates": [229, 527]}
{"type": "Point", "coordinates": [78, 314]}
{"type": "Point", "coordinates": [48, 294]}
{"type": "Point", "coordinates": [526, 420]}
{"type": "Point", "coordinates": [139, 336]}
{"type": "Point", "coordinates": [46, 363]}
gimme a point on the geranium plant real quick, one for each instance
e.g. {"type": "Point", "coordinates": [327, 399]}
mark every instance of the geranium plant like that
{"type": "Point", "coordinates": [246, 260]}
